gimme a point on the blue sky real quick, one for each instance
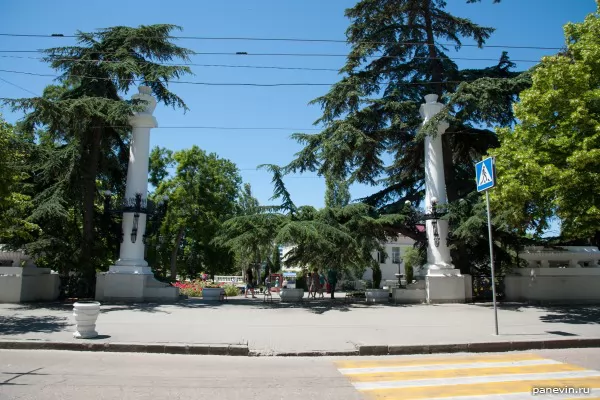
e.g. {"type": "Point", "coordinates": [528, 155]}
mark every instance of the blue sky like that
{"type": "Point", "coordinates": [517, 23]}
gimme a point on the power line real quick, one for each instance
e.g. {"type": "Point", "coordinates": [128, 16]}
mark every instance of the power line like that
{"type": "Point", "coordinates": [178, 82]}
{"type": "Point", "coordinates": [229, 128]}
{"type": "Point", "coordinates": [302, 40]}
{"type": "Point", "coordinates": [236, 84]}
{"type": "Point", "coordinates": [17, 86]}
{"type": "Point", "coordinates": [187, 64]}
{"type": "Point", "coordinates": [246, 54]}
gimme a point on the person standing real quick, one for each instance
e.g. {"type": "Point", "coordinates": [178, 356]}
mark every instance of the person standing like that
{"type": "Point", "coordinates": [321, 284]}
{"type": "Point", "coordinates": [249, 282]}
{"type": "Point", "coordinates": [332, 278]}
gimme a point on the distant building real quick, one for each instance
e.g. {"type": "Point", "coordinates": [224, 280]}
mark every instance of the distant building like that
{"type": "Point", "coordinates": [389, 259]}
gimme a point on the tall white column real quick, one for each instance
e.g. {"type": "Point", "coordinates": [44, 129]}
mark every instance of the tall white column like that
{"type": "Point", "coordinates": [131, 258]}
{"type": "Point", "coordinates": [439, 261]}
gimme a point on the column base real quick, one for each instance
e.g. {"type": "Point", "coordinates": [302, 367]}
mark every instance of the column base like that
{"type": "Point", "coordinates": [133, 284]}
{"type": "Point", "coordinates": [440, 269]}
{"type": "Point", "coordinates": [447, 289]}
{"type": "Point", "coordinates": [130, 269]}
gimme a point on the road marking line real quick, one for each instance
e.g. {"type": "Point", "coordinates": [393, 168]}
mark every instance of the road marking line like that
{"type": "Point", "coordinates": [524, 396]}
{"type": "Point", "coordinates": [365, 386]}
{"type": "Point", "coordinates": [396, 362]}
{"type": "Point", "coordinates": [482, 390]}
{"type": "Point", "coordinates": [354, 371]}
{"type": "Point", "coordinates": [465, 374]}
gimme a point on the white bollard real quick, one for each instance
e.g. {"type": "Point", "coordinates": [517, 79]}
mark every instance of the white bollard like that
{"type": "Point", "coordinates": [85, 314]}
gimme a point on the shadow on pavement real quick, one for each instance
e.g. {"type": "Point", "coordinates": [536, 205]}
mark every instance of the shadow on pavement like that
{"type": "Point", "coordinates": [319, 306]}
{"type": "Point", "coordinates": [574, 314]}
{"type": "Point", "coordinates": [14, 325]}
{"type": "Point", "coordinates": [17, 375]}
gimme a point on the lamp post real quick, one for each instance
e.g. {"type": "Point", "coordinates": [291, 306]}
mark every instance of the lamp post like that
{"type": "Point", "coordinates": [399, 275]}
{"type": "Point", "coordinates": [434, 213]}
{"type": "Point", "coordinates": [152, 211]}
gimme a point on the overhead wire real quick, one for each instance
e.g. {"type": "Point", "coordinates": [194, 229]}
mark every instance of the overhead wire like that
{"type": "Point", "coordinates": [247, 54]}
{"type": "Point", "coordinates": [420, 83]}
{"type": "Point", "coordinates": [303, 40]}
{"type": "Point", "coordinates": [185, 64]}
{"type": "Point", "coordinates": [17, 86]}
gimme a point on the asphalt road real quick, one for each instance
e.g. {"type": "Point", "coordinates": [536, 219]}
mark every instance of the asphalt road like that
{"type": "Point", "coordinates": [69, 375]}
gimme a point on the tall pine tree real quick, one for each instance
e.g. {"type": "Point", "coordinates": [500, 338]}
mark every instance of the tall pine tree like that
{"type": "Point", "coordinates": [86, 128]}
{"type": "Point", "coordinates": [399, 53]}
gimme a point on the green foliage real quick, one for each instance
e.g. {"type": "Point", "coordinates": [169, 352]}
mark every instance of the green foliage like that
{"type": "Point", "coordinates": [373, 111]}
{"type": "Point", "coordinates": [81, 134]}
{"type": "Point", "coordinates": [376, 277]}
{"type": "Point", "coordinates": [15, 187]}
{"type": "Point", "coordinates": [202, 195]}
{"type": "Point", "coordinates": [548, 165]}
{"type": "Point", "coordinates": [414, 258]}
{"type": "Point", "coordinates": [337, 193]}
{"type": "Point", "coordinates": [161, 160]}
{"type": "Point", "coordinates": [301, 282]}
{"type": "Point", "coordinates": [231, 290]}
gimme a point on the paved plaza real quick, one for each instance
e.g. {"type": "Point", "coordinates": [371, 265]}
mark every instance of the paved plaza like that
{"type": "Point", "coordinates": [316, 325]}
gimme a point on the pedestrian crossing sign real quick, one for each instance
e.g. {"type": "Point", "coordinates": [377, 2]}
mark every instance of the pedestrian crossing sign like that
{"type": "Point", "coordinates": [485, 174]}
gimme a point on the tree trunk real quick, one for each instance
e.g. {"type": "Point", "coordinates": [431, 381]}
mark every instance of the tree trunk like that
{"type": "Point", "coordinates": [435, 63]}
{"type": "Point", "coordinates": [452, 192]}
{"type": "Point", "coordinates": [92, 154]}
{"type": "Point", "coordinates": [174, 253]}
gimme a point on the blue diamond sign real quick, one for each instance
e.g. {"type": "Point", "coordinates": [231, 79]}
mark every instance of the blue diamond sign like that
{"type": "Point", "coordinates": [485, 174]}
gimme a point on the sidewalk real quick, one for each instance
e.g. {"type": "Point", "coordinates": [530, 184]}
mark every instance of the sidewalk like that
{"type": "Point", "coordinates": [315, 325]}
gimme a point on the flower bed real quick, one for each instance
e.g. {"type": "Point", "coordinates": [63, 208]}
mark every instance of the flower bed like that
{"type": "Point", "coordinates": [190, 289]}
{"type": "Point", "coordinates": [194, 288]}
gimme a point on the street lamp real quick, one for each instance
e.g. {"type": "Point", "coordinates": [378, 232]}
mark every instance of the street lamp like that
{"type": "Point", "coordinates": [433, 213]}
{"type": "Point", "coordinates": [399, 275]}
{"type": "Point", "coordinates": [154, 211]}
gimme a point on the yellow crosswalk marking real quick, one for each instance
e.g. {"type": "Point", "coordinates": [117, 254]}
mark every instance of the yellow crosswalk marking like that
{"type": "Point", "coordinates": [436, 360]}
{"type": "Point", "coordinates": [480, 390]}
{"type": "Point", "coordinates": [496, 376]}
{"type": "Point", "coordinates": [457, 373]}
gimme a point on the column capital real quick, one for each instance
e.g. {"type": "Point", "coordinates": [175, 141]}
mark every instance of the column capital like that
{"type": "Point", "coordinates": [145, 94]}
{"type": "Point", "coordinates": [140, 120]}
{"type": "Point", "coordinates": [430, 108]}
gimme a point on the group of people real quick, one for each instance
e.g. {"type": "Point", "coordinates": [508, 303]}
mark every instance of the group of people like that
{"type": "Point", "coordinates": [317, 282]}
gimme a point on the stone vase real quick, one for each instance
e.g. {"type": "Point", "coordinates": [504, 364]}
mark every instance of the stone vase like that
{"type": "Point", "coordinates": [85, 314]}
{"type": "Point", "coordinates": [377, 295]}
{"type": "Point", "coordinates": [291, 294]}
{"type": "Point", "coordinates": [212, 294]}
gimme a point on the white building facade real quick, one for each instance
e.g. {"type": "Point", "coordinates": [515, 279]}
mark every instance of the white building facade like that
{"type": "Point", "coordinates": [390, 259]}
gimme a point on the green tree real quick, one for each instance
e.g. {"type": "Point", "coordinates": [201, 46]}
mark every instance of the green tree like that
{"type": "Point", "coordinates": [161, 160]}
{"type": "Point", "coordinates": [396, 58]}
{"type": "Point", "coordinates": [341, 238]}
{"type": "Point", "coordinates": [337, 193]}
{"type": "Point", "coordinates": [548, 166]}
{"type": "Point", "coordinates": [85, 121]}
{"type": "Point", "coordinates": [15, 189]}
{"type": "Point", "coordinates": [202, 195]}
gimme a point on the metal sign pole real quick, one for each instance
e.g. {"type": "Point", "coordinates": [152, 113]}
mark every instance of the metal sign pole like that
{"type": "Point", "coordinates": [489, 217]}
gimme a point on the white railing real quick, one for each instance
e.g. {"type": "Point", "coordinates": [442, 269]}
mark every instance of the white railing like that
{"type": "Point", "coordinates": [233, 279]}
{"type": "Point", "coordinates": [538, 256]}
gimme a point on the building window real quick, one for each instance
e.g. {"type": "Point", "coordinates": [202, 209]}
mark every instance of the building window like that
{"type": "Point", "coordinates": [382, 256]}
{"type": "Point", "coordinates": [395, 255]}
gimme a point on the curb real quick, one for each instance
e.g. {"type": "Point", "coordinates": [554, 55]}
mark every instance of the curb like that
{"type": "Point", "coordinates": [243, 350]}
{"type": "Point", "coordinates": [485, 347]}
{"type": "Point", "coordinates": [194, 349]}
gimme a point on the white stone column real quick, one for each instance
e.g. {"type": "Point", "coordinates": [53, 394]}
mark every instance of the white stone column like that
{"type": "Point", "coordinates": [131, 258]}
{"type": "Point", "coordinates": [439, 262]}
